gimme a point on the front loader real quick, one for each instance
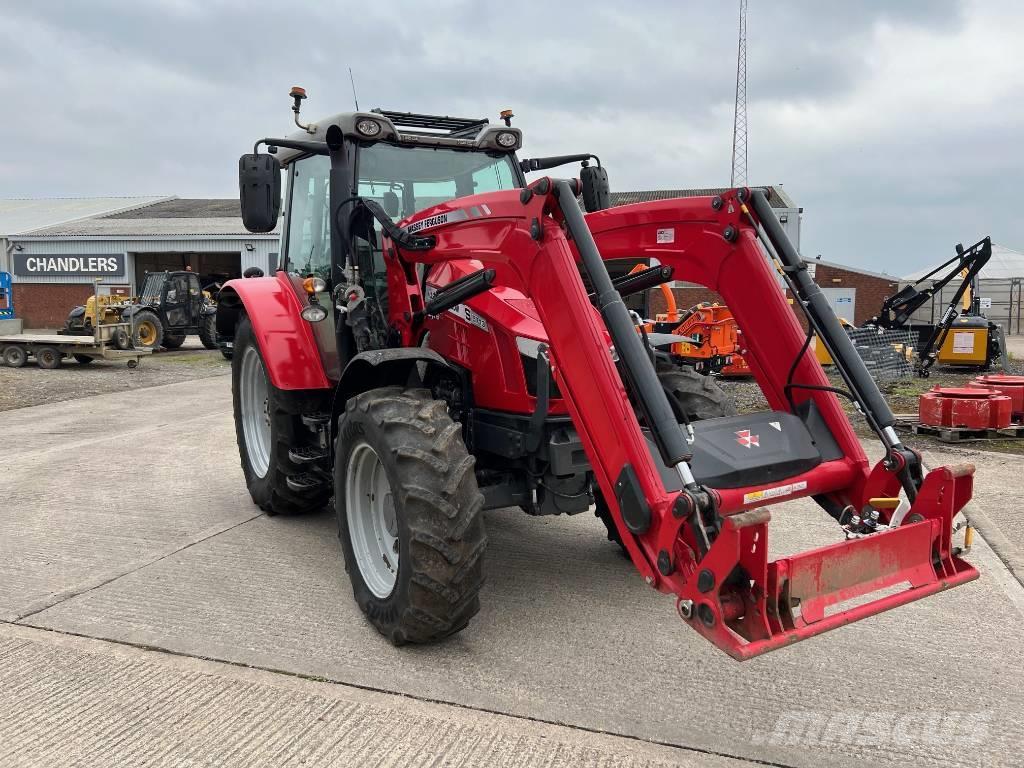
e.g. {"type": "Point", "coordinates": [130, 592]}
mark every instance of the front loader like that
{"type": "Point", "coordinates": [444, 338]}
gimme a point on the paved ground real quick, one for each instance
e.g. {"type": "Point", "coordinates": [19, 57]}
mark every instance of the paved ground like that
{"type": "Point", "coordinates": [997, 498]}
{"type": "Point", "coordinates": [1015, 346]}
{"type": "Point", "coordinates": [569, 643]}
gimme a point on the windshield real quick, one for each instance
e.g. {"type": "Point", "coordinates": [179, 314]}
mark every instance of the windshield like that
{"type": "Point", "coordinates": [152, 288]}
{"type": "Point", "coordinates": [419, 177]}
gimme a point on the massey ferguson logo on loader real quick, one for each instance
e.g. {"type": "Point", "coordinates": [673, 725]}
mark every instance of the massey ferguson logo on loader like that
{"type": "Point", "coordinates": [747, 440]}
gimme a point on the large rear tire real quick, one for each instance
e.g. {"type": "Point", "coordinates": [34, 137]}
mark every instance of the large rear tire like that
{"type": "Point", "coordinates": [208, 331]}
{"type": "Point", "coordinates": [409, 515]}
{"type": "Point", "coordinates": [690, 393]}
{"type": "Point", "coordinates": [147, 330]}
{"type": "Point", "coordinates": [268, 422]}
{"type": "Point", "coordinates": [173, 341]}
{"type": "Point", "coordinates": [695, 395]}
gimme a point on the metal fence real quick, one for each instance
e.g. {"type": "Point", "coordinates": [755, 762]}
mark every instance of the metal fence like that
{"type": "Point", "coordinates": [888, 354]}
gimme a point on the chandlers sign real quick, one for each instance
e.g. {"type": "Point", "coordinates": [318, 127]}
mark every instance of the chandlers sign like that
{"type": "Point", "coordinates": [31, 265]}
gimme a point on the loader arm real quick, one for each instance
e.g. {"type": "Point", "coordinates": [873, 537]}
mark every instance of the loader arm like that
{"type": "Point", "coordinates": [707, 546]}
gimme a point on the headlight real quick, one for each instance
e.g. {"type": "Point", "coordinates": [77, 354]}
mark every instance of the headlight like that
{"type": "Point", "coordinates": [506, 139]}
{"type": "Point", "coordinates": [367, 127]}
{"type": "Point", "coordinates": [313, 313]}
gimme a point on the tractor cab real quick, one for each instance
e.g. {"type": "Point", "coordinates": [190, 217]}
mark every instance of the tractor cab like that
{"type": "Point", "coordinates": [399, 162]}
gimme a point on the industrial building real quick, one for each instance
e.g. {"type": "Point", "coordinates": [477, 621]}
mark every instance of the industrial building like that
{"type": "Point", "coordinates": [56, 249]}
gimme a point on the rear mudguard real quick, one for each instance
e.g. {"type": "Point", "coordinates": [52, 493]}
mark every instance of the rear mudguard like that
{"type": "Point", "coordinates": [286, 341]}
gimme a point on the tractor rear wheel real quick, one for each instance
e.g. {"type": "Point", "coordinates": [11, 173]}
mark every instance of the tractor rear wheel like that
{"type": "Point", "coordinates": [48, 357]}
{"type": "Point", "coordinates": [409, 515]}
{"type": "Point", "coordinates": [147, 330]}
{"type": "Point", "coordinates": [268, 424]}
{"type": "Point", "coordinates": [690, 393]}
{"type": "Point", "coordinates": [173, 342]}
{"type": "Point", "coordinates": [14, 356]}
{"type": "Point", "coordinates": [695, 395]}
{"type": "Point", "coordinates": [208, 331]}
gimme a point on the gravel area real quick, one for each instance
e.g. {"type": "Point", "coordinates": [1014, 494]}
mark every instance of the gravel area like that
{"type": "Point", "coordinates": [21, 387]}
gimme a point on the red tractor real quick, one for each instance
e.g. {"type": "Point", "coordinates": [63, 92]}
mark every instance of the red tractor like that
{"type": "Point", "coordinates": [443, 337]}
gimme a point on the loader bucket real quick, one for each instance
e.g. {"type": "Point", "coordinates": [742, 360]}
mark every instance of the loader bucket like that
{"type": "Point", "coordinates": [803, 595]}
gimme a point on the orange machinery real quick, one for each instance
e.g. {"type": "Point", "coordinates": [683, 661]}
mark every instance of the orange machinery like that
{"type": "Point", "coordinates": [717, 344]}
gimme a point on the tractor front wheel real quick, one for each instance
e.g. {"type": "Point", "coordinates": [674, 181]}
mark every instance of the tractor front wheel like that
{"type": "Point", "coordinates": [268, 424]}
{"type": "Point", "coordinates": [409, 515]}
{"type": "Point", "coordinates": [147, 330]}
{"type": "Point", "coordinates": [208, 331]}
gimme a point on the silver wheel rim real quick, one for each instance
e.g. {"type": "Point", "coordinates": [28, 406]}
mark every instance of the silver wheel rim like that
{"type": "Point", "coordinates": [255, 408]}
{"type": "Point", "coordinates": [372, 521]}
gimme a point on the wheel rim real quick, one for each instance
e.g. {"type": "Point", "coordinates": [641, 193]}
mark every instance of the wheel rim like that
{"type": "Point", "coordinates": [147, 333]}
{"type": "Point", "coordinates": [372, 520]}
{"type": "Point", "coordinates": [255, 411]}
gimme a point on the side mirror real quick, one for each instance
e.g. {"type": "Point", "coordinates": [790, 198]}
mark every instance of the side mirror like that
{"type": "Point", "coordinates": [391, 204]}
{"type": "Point", "coordinates": [259, 189]}
{"type": "Point", "coordinates": [596, 193]}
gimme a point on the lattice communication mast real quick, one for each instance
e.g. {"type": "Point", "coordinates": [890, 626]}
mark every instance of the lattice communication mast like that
{"type": "Point", "coordinates": [739, 123]}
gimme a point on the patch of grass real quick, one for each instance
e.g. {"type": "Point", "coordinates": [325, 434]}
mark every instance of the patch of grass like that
{"type": "Point", "coordinates": [211, 359]}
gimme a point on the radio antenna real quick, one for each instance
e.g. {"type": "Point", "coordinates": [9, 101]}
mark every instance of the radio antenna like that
{"type": "Point", "coordinates": [352, 80]}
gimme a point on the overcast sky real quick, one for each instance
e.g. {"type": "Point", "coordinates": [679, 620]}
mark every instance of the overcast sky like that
{"type": "Point", "coordinates": [896, 125]}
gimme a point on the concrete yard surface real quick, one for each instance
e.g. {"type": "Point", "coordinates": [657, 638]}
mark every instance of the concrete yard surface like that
{"type": "Point", "coordinates": [161, 619]}
{"type": "Point", "coordinates": [130, 707]}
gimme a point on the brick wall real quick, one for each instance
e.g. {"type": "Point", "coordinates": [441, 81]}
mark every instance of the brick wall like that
{"type": "Point", "coordinates": [46, 305]}
{"type": "Point", "coordinates": [871, 291]}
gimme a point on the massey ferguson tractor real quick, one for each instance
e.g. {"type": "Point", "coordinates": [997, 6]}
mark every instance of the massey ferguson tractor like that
{"type": "Point", "coordinates": [443, 337]}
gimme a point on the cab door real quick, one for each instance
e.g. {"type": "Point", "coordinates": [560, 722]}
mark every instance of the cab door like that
{"type": "Point", "coordinates": [177, 301]}
{"type": "Point", "coordinates": [307, 248]}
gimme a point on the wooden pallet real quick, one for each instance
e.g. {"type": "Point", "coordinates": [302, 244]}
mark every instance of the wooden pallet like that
{"type": "Point", "coordinates": [961, 434]}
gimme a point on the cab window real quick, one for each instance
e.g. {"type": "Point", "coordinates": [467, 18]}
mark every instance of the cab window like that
{"type": "Point", "coordinates": [308, 249]}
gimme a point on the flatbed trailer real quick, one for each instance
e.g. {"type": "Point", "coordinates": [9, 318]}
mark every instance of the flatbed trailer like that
{"type": "Point", "coordinates": [108, 341]}
{"type": "Point", "coordinates": [50, 349]}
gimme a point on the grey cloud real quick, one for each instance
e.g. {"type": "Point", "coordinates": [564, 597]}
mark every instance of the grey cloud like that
{"type": "Point", "coordinates": [141, 97]}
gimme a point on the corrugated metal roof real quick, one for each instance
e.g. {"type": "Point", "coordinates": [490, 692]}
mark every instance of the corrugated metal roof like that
{"type": "Point", "coordinates": [779, 198]}
{"type": "Point", "coordinates": [188, 208]}
{"type": "Point", "coordinates": [855, 270]}
{"type": "Point", "coordinates": [20, 216]}
{"type": "Point", "coordinates": [113, 227]}
{"type": "Point", "coordinates": [1005, 263]}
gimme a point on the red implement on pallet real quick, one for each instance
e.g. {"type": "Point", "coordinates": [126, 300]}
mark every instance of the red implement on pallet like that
{"type": "Point", "coordinates": [965, 408]}
{"type": "Point", "coordinates": [457, 362]}
{"type": "Point", "coordinates": [1004, 384]}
